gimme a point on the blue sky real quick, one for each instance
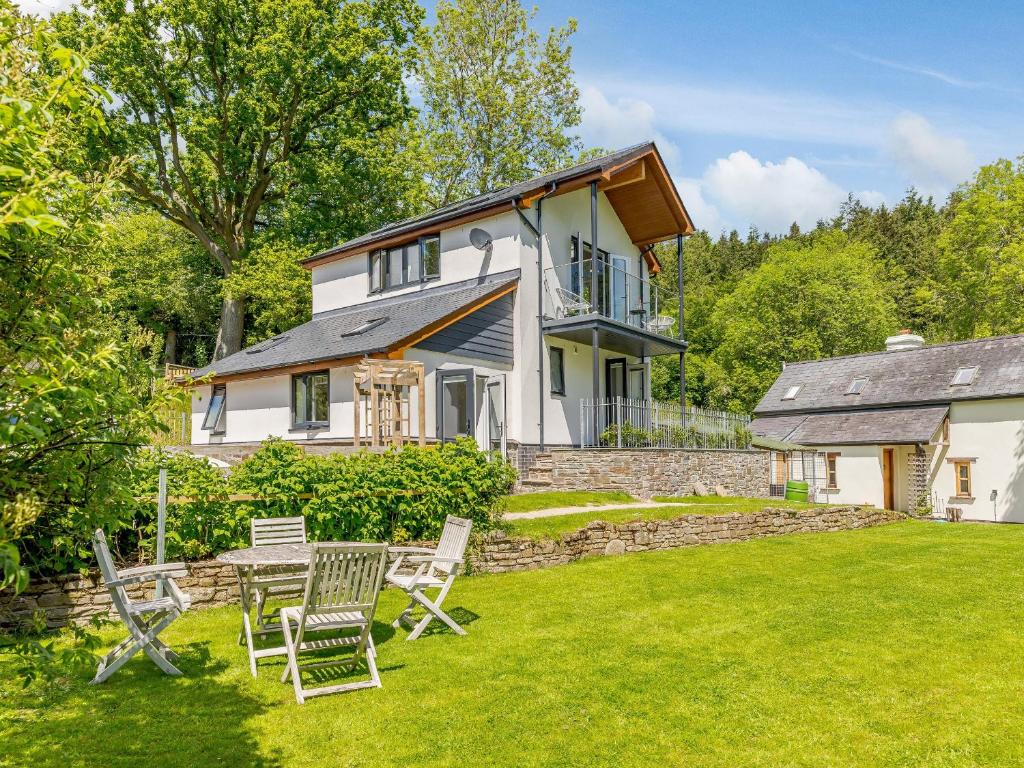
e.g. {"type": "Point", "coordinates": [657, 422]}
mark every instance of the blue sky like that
{"type": "Point", "coordinates": [773, 112]}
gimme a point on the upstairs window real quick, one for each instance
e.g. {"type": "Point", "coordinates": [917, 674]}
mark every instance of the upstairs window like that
{"type": "Point", "coordinates": [214, 420]}
{"type": "Point", "coordinates": [964, 376]}
{"type": "Point", "coordinates": [857, 386]}
{"type": "Point", "coordinates": [311, 399]}
{"type": "Point", "coordinates": [792, 392]}
{"type": "Point", "coordinates": [406, 264]}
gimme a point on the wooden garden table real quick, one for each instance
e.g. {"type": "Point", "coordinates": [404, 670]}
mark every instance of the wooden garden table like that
{"type": "Point", "coordinates": [251, 565]}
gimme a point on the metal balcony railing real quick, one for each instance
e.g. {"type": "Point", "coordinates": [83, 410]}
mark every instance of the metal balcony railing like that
{"type": "Point", "coordinates": [620, 295]}
{"type": "Point", "coordinates": [620, 422]}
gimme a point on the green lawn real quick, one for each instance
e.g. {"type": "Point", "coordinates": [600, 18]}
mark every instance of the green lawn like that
{"type": "Point", "coordinates": [892, 646]}
{"type": "Point", "coordinates": [553, 527]}
{"type": "Point", "coordinates": [529, 502]}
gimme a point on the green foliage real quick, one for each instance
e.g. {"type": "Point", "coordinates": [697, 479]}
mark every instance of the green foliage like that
{"type": "Point", "coordinates": [674, 437]}
{"type": "Point", "coordinates": [499, 103]}
{"type": "Point", "coordinates": [982, 254]}
{"type": "Point", "coordinates": [398, 495]}
{"type": "Point", "coordinates": [276, 287]}
{"type": "Point", "coordinates": [229, 116]}
{"type": "Point", "coordinates": [54, 658]}
{"type": "Point", "coordinates": [76, 385]}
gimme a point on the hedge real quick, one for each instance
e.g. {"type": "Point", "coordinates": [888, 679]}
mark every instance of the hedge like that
{"type": "Point", "coordinates": [395, 496]}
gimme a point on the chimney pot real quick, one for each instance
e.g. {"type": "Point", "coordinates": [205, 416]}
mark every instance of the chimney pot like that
{"type": "Point", "coordinates": [904, 340]}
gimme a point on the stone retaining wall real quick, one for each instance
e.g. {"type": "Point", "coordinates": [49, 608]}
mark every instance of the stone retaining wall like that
{"type": "Point", "coordinates": [648, 472]}
{"type": "Point", "coordinates": [501, 554]}
{"type": "Point", "coordinates": [76, 599]}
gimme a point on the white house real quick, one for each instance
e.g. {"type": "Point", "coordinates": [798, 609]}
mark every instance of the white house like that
{"type": "Point", "coordinates": [914, 426]}
{"type": "Point", "coordinates": [497, 296]}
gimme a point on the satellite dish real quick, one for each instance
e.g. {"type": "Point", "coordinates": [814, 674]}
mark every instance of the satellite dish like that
{"type": "Point", "coordinates": [481, 239]}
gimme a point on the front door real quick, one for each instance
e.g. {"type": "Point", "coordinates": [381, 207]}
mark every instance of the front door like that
{"type": "Point", "coordinates": [456, 397]}
{"type": "Point", "coordinates": [888, 481]}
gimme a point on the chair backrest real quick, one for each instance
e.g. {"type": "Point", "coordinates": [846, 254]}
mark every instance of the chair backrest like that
{"type": "Point", "coordinates": [278, 530]}
{"type": "Point", "coordinates": [454, 539]}
{"type": "Point", "coordinates": [344, 577]}
{"type": "Point", "coordinates": [118, 595]}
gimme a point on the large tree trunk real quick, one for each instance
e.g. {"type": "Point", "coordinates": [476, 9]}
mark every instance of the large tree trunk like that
{"type": "Point", "coordinates": [229, 335]}
{"type": "Point", "coordinates": [171, 347]}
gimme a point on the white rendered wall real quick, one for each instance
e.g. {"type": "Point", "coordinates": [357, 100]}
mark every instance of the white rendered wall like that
{"type": "Point", "coordinates": [346, 282]}
{"type": "Point", "coordinates": [858, 475]}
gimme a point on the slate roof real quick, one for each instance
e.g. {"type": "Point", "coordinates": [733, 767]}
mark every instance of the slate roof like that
{"type": "Point", "coordinates": [324, 337]}
{"type": "Point", "coordinates": [488, 199]}
{"type": "Point", "coordinates": [906, 378]}
{"type": "Point", "coordinates": [885, 426]}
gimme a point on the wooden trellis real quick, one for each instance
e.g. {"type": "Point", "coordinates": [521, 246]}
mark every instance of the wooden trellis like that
{"type": "Point", "coordinates": [382, 398]}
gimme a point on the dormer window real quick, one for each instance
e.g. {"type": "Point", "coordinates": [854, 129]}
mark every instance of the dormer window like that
{"type": "Point", "coordinates": [857, 386]}
{"type": "Point", "coordinates": [964, 376]}
{"type": "Point", "coordinates": [401, 265]}
{"type": "Point", "coordinates": [792, 392]}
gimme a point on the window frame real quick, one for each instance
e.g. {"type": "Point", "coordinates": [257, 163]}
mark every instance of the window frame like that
{"type": "Point", "coordinates": [963, 368]}
{"type": "Point", "coordinates": [832, 471]}
{"type": "Point", "coordinates": [218, 427]}
{"type": "Point", "coordinates": [958, 493]}
{"type": "Point", "coordinates": [306, 378]}
{"type": "Point", "coordinates": [558, 352]}
{"type": "Point", "coordinates": [853, 389]}
{"type": "Point", "coordinates": [379, 263]}
{"type": "Point", "coordinates": [795, 390]}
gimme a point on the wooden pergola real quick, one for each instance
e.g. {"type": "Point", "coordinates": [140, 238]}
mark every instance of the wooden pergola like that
{"type": "Point", "coordinates": [382, 395]}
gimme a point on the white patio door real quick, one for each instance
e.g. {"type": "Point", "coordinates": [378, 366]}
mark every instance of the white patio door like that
{"type": "Point", "coordinates": [494, 437]}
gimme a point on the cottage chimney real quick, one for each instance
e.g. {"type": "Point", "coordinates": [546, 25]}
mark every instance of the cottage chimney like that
{"type": "Point", "coordinates": [903, 340]}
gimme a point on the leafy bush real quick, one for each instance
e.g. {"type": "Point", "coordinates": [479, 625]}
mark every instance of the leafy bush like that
{"type": "Point", "coordinates": [398, 495]}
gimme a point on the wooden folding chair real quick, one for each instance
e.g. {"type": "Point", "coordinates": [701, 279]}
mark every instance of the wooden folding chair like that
{"type": "Point", "coordinates": [434, 569]}
{"type": "Point", "coordinates": [144, 619]}
{"type": "Point", "coordinates": [341, 594]}
{"type": "Point", "coordinates": [280, 581]}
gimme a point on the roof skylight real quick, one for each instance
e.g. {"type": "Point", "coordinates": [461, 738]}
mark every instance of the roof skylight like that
{"type": "Point", "coordinates": [857, 385]}
{"type": "Point", "coordinates": [266, 345]}
{"type": "Point", "coordinates": [366, 326]}
{"type": "Point", "coordinates": [792, 392]}
{"type": "Point", "coordinates": [964, 376]}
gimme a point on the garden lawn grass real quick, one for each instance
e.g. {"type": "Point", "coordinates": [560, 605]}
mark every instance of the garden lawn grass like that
{"type": "Point", "coordinates": [890, 646]}
{"type": "Point", "coordinates": [530, 502]}
{"type": "Point", "coordinates": [553, 527]}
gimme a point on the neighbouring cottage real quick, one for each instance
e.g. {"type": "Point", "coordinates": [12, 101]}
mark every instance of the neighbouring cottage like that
{"type": "Point", "coordinates": [516, 310]}
{"type": "Point", "coordinates": [916, 427]}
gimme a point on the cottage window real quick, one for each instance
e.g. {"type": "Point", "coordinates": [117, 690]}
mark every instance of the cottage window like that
{"type": "Point", "coordinates": [402, 265]}
{"type": "Point", "coordinates": [831, 471]}
{"type": "Point", "coordinates": [962, 471]}
{"type": "Point", "coordinates": [311, 398]}
{"type": "Point", "coordinates": [557, 358]}
{"type": "Point", "coordinates": [214, 420]}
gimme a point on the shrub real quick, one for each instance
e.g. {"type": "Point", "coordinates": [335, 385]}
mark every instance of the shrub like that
{"type": "Point", "coordinates": [398, 495]}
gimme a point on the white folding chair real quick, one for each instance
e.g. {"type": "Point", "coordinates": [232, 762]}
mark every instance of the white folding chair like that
{"type": "Point", "coordinates": [280, 582]}
{"type": "Point", "coordinates": [341, 594]}
{"type": "Point", "coordinates": [144, 619]}
{"type": "Point", "coordinates": [433, 569]}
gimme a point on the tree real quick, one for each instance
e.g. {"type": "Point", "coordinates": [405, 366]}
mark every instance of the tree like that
{"type": "Point", "coordinates": [499, 104]}
{"type": "Point", "coordinates": [160, 276]}
{"type": "Point", "coordinates": [278, 288]}
{"type": "Point", "coordinates": [228, 114]}
{"type": "Point", "coordinates": [75, 387]}
{"type": "Point", "coordinates": [981, 254]}
{"type": "Point", "coordinates": [804, 302]}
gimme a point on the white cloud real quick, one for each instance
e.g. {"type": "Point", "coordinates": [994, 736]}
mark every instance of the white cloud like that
{"type": "Point", "coordinates": [43, 8]}
{"type": "Point", "coordinates": [932, 161]}
{"type": "Point", "coordinates": [771, 196]}
{"type": "Point", "coordinates": [620, 123]}
{"type": "Point", "coordinates": [705, 214]}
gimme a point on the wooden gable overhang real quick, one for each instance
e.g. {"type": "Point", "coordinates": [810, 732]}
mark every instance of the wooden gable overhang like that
{"type": "Point", "coordinates": [639, 188]}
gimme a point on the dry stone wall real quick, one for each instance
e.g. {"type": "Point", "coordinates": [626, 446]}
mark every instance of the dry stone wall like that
{"type": "Point", "coordinates": [660, 471]}
{"type": "Point", "coordinates": [76, 598]}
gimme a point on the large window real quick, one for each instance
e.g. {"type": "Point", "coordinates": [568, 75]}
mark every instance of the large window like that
{"type": "Point", "coordinates": [214, 420]}
{"type": "Point", "coordinates": [406, 264]}
{"type": "Point", "coordinates": [311, 400]}
{"type": "Point", "coordinates": [556, 357]}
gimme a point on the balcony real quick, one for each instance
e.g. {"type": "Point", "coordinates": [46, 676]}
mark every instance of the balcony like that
{"type": "Point", "coordinates": [632, 315]}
